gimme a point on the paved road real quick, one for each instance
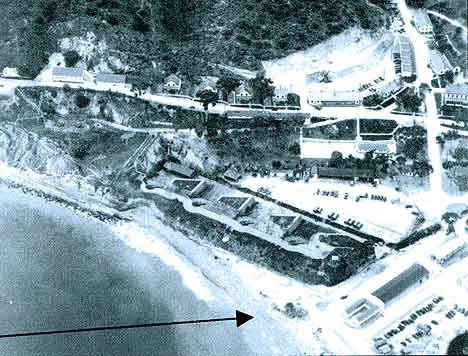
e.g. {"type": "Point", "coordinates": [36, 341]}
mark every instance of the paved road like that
{"type": "Point", "coordinates": [425, 75]}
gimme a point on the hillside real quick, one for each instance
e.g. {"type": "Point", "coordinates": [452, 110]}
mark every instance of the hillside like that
{"type": "Point", "coordinates": [176, 35]}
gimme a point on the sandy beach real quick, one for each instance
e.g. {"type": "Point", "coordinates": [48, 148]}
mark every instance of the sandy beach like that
{"type": "Point", "coordinates": [63, 270]}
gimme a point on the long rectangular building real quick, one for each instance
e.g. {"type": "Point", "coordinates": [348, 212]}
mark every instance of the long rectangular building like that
{"type": "Point", "coordinates": [344, 173]}
{"type": "Point", "coordinates": [403, 57]}
{"type": "Point", "coordinates": [411, 277]}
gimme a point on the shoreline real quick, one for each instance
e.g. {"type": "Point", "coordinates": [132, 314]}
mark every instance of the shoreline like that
{"type": "Point", "coordinates": [225, 276]}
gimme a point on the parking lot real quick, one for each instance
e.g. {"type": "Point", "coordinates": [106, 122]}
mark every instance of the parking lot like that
{"type": "Point", "coordinates": [425, 329]}
{"type": "Point", "coordinates": [376, 210]}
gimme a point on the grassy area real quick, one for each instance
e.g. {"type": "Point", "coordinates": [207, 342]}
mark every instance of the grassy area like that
{"type": "Point", "coordinates": [343, 130]}
{"type": "Point", "coordinates": [377, 126]}
{"type": "Point", "coordinates": [258, 146]}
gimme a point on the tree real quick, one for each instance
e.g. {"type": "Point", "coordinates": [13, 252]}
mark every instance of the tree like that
{"type": "Point", "coordinates": [449, 76]}
{"type": "Point", "coordinates": [450, 219]}
{"type": "Point", "coordinates": [207, 97]}
{"type": "Point", "coordinates": [410, 101]}
{"type": "Point", "coordinates": [422, 168]}
{"type": "Point", "coordinates": [80, 149]}
{"type": "Point", "coordinates": [372, 100]}
{"type": "Point", "coordinates": [227, 84]}
{"type": "Point", "coordinates": [34, 49]}
{"type": "Point", "coordinates": [412, 147]}
{"type": "Point", "coordinates": [262, 88]}
{"type": "Point", "coordinates": [295, 149]}
{"type": "Point", "coordinates": [71, 58]}
{"type": "Point", "coordinates": [440, 140]}
{"type": "Point", "coordinates": [141, 21]}
{"type": "Point", "coordinates": [294, 99]}
{"type": "Point", "coordinates": [82, 101]}
{"type": "Point", "coordinates": [460, 153]}
{"type": "Point", "coordinates": [175, 17]}
{"type": "Point", "coordinates": [336, 160]}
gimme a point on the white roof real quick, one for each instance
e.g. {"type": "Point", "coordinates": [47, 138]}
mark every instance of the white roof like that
{"type": "Point", "coordinates": [457, 89]}
{"type": "Point", "coordinates": [449, 247]}
{"type": "Point", "coordinates": [421, 18]}
{"type": "Point", "coordinates": [335, 95]}
{"type": "Point", "coordinates": [67, 72]}
{"type": "Point", "coordinates": [439, 61]}
{"type": "Point", "coordinates": [110, 78]}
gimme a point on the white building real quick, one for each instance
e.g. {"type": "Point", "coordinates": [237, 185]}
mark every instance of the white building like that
{"type": "Point", "coordinates": [448, 250]}
{"type": "Point", "coordinates": [422, 22]}
{"type": "Point", "coordinates": [439, 63]}
{"type": "Point", "coordinates": [112, 80]}
{"type": "Point", "coordinates": [456, 95]}
{"type": "Point", "coordinates": [172, 84]}
{"type": "Point", "coordinates": [334, 98]}
{"type": "Point", "coordinates": [403, 57]}
{"type": "Point", "coordinates": [243, 95]}
{"type": "Point", "coordinates": [10, 72]}
{"type": "Point", "coordinates": [280, 96]}
{"type": "Point", "coordinates": [71, 75]}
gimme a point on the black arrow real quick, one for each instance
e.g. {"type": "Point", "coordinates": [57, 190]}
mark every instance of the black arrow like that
{"type": "Point", "coordinates": [241, 318]}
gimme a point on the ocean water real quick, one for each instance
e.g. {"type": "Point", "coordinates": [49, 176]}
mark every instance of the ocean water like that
{"type": "Point", "coordinates": [60, 270]}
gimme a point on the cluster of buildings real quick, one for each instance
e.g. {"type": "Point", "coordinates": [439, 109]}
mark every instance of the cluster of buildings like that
{"type": "Point", "coordinates": [79, 75]}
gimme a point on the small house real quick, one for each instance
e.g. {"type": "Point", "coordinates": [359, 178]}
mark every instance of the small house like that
{"type": "Point", "coordinates": [280, 96]}
{"type": "Point", "coordinates": [179, 170]}
{"type": "Point", "coordinates": [9, 72]}
{"type": "Point", "coordinates": [172, 84]}
{"type": "Point", "coordinates": [243, 96]}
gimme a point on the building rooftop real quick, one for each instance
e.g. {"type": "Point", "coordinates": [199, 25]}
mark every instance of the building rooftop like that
{"type": "Point", "coordinates": [421, 18]}
{"type": "Point", "coordinates": [68, 72]}
{"type": "Point", "coordinates": [404, 49]}
{"type": "Point", "coordinates": [173, 78]}
{"type": "Point", "coordinates": [439, 62]}
{"type": "Point", "coordinates": [335, 95]}
{"type": "Point", "coordinates": [405, 280]}
{"type": "Point", "coordinates": [457, 89]}
{"type": "Point", "coordinates": [344, 172]}
{"type": "Point", "coordinates": [281, 92]}
{"type": "Point", "coordinates": [242, 90]}
{"type": "Point", "coordinates": [179, 169]}
{"type": "Point", "coordinates": [111, 78]}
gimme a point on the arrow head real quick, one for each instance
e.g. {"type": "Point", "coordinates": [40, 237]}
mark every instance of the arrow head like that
{"type": "Point", "coordinates": [242, 318]}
